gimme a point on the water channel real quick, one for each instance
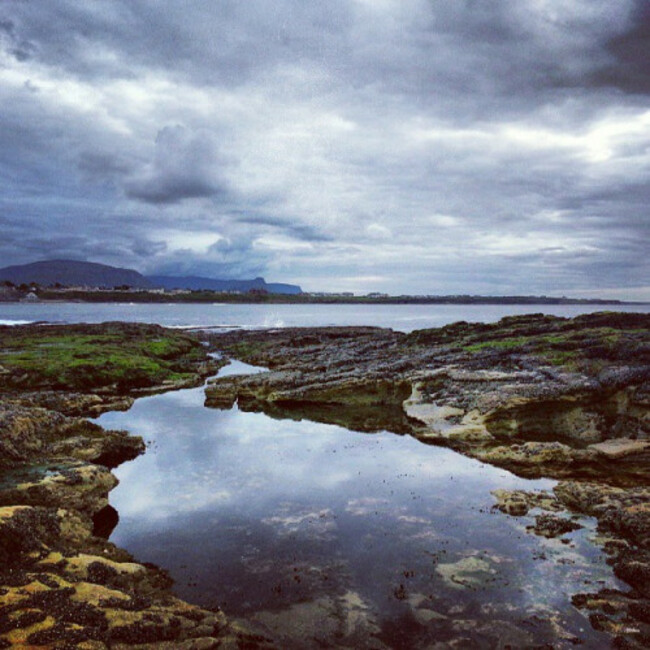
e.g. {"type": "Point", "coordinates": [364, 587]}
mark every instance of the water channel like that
{"type": "Point", "coordinates": [325, 536]}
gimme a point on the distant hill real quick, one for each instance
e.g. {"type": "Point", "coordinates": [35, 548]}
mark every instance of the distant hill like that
{"type": "Point", "coordinates": [73, 273]}
{"type": "Point", "coordinates": [211, 284]}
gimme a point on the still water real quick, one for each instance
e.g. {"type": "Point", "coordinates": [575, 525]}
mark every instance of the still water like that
{"type": "Point", "coordinates": [325, 536]}
{"type": "Point", "coordinates": [399, 317]}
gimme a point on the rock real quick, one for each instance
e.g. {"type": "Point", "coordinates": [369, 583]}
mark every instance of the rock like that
{"type": "Point", "coordinates": [327, 622]}
{"type": "Point", "coordinates": [24, 529]}
{"type": "Point", "coordinates": [519, 502]}
{"type": "Point", "coordinates": [551, 526]}
{"type": "Point", "coordinates": [33, 433]}
{"type": "Point", "coordinates": [82, 488]}
{"type": "Point", "coordinates": [538, 395]}
{"type": "Point", "coordinates": [498, 392]}
{"type": "Point", "coordinates": [622, 448]}
{"type": "Point", "coordinates": [60, 585]}
{"type": "Point", "coordinates": [221, 393]}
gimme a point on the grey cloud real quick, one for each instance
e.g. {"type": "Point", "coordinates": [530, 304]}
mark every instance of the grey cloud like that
{"type": "Point", "coordinates": [102, 166]}
{"type": "Point", "coordinates": [292, 227]}
{"type": "Point", "coordinates": [221, 43]}
{"type": "Point", "coordinates": [630, 50]}
{"type": "Point", "coordinates": [19, 48]}
{"type": "Point", "coordinates": [147, 248]}
{"type": "Point", "coordinates": [233, 267]}
{"type": "Point", "coordinates": [417, 47]}
{"type": "Point", "coordinates": [185, 165]}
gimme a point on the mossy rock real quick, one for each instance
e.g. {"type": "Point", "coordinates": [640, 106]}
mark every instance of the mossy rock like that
{"type": "Point", "coordinates": [121, 356]}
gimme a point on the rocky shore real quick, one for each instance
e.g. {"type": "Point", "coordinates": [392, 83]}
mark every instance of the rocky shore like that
{"type": "Point", "coordinates": [538, 395]}
{"type": "Point", "coordinates": [62, 584]}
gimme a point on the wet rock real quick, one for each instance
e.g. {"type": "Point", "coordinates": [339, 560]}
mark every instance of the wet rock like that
{"type": "Point", "coordinates": [532, 459]}
{"type": "Point", "coordinates": [633, 566]}
{"type": "Point", "coordinates": [551, 526]}
{"type": "Point", "coordinates": [519, 502]}
{"type": "Point", "coordinates": [221, 393]}
{"type": "Point", "coordinates": [25, 431]}
{"type": "Point", "coordinates": [33, 433]}
{"type": "Point", "coordinates": [24, 529]}
{"type": "Point", "coordinates": [80, 488]}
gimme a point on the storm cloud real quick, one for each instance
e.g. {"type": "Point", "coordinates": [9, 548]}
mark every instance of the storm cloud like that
{"type": "Point", "coordinates": [407, 146]}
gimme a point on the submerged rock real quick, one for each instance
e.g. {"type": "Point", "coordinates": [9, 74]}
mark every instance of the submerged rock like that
{"type": "Point", "coordinates": [342, 622]}
{"type": "Point", "coordinates": [468, 573]}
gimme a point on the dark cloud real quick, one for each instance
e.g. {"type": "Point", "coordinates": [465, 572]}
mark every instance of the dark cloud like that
{"type": "Point", "coordinates": [19, 48]}
{"type": "Point", "coordinates": [147, 248]}
{"type": "Point", "coordinates": [232, 264]}
{"type": "Point", "coordinates": [184, 166]}
{"type": "Point", "coordinates": [630, 69]}
{"type": "Point", "coordinates": [102, 166]}
{"type": "Point", "coordinates": [291, 227]}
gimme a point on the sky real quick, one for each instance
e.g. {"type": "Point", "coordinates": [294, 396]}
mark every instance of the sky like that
{"type": "Point", "coordinates": [402, 146]}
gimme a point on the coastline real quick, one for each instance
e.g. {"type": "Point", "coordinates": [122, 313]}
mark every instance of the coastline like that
{"type": "Point", "coordinates": [198, 297]}
{"type": "Point", "coordinates": [475, 388]}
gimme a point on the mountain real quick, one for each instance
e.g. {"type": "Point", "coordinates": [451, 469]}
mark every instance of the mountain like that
{"type": "Point", "coordinates": [211, 284]}
{"type": "Point", "coordinates": [73, 273]}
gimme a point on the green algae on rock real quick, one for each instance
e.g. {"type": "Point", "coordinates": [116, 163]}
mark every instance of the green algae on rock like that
{"type": "Point", "coordinates": [116, 357]}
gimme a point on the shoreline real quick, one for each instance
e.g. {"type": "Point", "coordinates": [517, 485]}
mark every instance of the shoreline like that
{"type": "Point", "coordinates": [480, 398]}
{"type": "Point", "coordinates": [278, 299]}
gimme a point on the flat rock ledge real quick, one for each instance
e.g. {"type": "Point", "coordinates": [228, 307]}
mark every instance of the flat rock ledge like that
{"type": "Point", "coordinates": [622, 448]}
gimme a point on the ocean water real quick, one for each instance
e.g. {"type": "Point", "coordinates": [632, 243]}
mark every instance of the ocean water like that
{"type": "Point", "coordinates": [398, 317]}
{"type": "Point", "coordinates": [305, 527]}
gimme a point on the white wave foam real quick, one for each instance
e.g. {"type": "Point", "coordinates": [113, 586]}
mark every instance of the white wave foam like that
{"type": "Point", "coordinates": [15, 322]}
{"type": "Point", "coordinates": [273, 322]}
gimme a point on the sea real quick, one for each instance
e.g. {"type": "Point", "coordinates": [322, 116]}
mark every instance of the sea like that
{"type": "Point", "coordinates": [403, 318]}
